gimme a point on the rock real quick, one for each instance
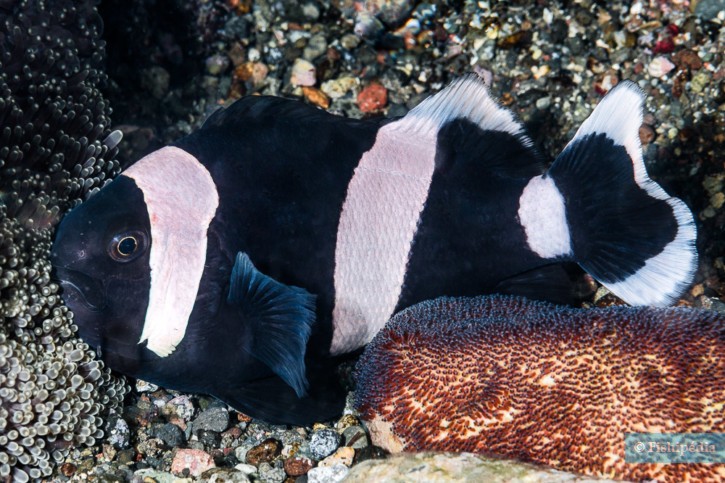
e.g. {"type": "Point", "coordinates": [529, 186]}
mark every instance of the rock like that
{"type": "Point", "coordinates": [141, 385]}
{"type": "Point", "coordinates": [343, 456]}
{"type": "Point", "coordinates": [316, 46]}
{"type": "Point", "coordinates": [303, 73]}
{"type": "Point", "coordinates": [323, 443]}
{"type": "Point", "coordinates": [646, 134]}
{"type": "Point", "coordinates": [709, 9]}
{"type": "Point", "coordinates": [543, 103]}
{"type": "Point", "coordinates": [210, 439]}
{"type": "Point", "coordinates": [350, 41]}
{"type": "Point", "coordinates": [119, 434]}
{"type": "Point", "coordinates": [699, 82]}
{"type": "Point", "coordinates": [336, 88]}
{"type": "Point", "coordinates": [213, 419]}
{"type": "Point", "coordinates": [179, 407]}
{"type": "Point", "coordinates": [372, 98]}
{"type": "Point", "coordinates": [270, 474]}
{"type": "Point", "coordinates": [170, 434]}
{"type": "Point", "coordinates": [298, 465]}
{"type": "Point", "coordinates": [217, 64]}
{"type": "Point", "coordinates": [150, 474]}
{"type": "Point", "coordinates": [225, 475]}
{"type": "Point", "coordinates": [330, 474]}
{"type": "Point", "coordinates": [316, 96]}
{"type": "Point", "coordinates": [355, 437]}
{"type": "Point", "coordinates": [391, 12]}
{"type": "Point", "coordinates": [449, 467]}
{"type": "Point", "coordinates": [195, 460]}
{"type": "Point", "coordinates": [264, 452]}
{"type": "Point", "coordinates": [367, 25]}
{"type": "Point", "coordinates": [246, 469]}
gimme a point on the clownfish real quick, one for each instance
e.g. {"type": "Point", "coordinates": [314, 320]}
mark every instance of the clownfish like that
{"type": "Point", "coordinates": [238, 260]}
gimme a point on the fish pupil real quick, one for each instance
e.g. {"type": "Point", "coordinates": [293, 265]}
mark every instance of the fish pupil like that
{"type": "Point", "coordinates": [127, 246]}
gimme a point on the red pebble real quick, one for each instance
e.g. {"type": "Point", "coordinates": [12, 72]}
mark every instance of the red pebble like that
{"type": "Point", "coordinates": [664, 46]}
{"type": "Point", "coordinates": [372, 98]}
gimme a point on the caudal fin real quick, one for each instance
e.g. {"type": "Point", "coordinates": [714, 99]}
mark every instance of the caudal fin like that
{"type": "Point", "coordinates": [623, 228]}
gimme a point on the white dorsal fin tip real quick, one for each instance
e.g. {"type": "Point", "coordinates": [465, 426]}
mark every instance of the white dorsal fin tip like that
{"type": "Point", "coordinates": [469, 98]}
{"type": "Point", "coordinates": [618, 115]}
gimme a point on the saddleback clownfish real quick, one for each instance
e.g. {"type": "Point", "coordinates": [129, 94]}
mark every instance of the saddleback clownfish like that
{"type": "Point", "coordinates": [237, 261]}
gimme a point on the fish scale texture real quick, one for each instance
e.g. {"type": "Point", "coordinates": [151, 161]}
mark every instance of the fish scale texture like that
{"type": "Point", "coordinates": [533, 381]}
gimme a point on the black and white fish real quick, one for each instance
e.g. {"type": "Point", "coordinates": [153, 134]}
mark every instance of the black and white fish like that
{"type": "Point", "coordinates": [237, 260]}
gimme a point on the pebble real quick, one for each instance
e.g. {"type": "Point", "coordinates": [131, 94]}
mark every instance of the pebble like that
{"type": "Point", "coordinates": [391, 12]}
{"type": "Point", "coordinates": [336, 88]}
{"type": "Point", "coordinates": [328, 474]}
{"type": "Point", "coordinates": [119, 434]}
{"type": "Point", "coordinates": [355, 437]}
{"type": "Point", "coordinates": [343, 456]}
{"type": "Point", "coordinates": [316, 96]}
{"type": "Point", "coordinates": [367, 25]}
{"type": "Point", "coordinates": [148, 475]}
{"type": "Point", "coordinates": [246, 469]}
{"type": "Point", "coordinates": [179, 407]}
{"type": "Point", "coordinates": [298, 465]}
{"type": "Point", "coordinates": [316, 47]}
{"type": "Point", "coordinates": [270, 474]}
{"type": "Point", "coordinates": [323, 443]}
{"type": "Point", "coordinates": [660, 66]}
{"type": "Point", "coordinates": [264, 452]}
{"type": "Point", "coordinates": [699, 82]}
{"type": "Point", "coordinates": [170, 434]}
{"type": "Point", "coordinates": [646, 134]}
{"type": "Point", "coordinates": [225, 475]}
{"type": "Point", "coordinates": [303, 73]}
{"type": "Point", "coordinates": [213, 419]}
{"type": "Point", "coordinates": [543, 103]}
{"type": "Point", "coordinates": [195, 460]}
{"type": "Point", "coordinates": [350, 41]}
{"type": "Point", "coordinates": [372, 98]}
{"type": "Point", "coordinates": [144, 386]}
{"type": "Point", "coordinates": [217, 64]}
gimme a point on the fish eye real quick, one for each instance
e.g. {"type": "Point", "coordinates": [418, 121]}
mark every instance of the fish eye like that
{"type": "Point", "coordinates": [125, 247]}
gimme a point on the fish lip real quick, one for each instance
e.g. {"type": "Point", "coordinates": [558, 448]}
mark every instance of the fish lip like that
{"type": "Point", "coordinates": [71, 280]}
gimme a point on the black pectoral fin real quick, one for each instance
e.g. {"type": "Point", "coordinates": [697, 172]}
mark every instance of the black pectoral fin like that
{"type": "Point", "coordinates": [275, 402]}
{"type": "Point", "coordinates": [280, 317]}
{"type": "Point", "coordinates": [560, 283]}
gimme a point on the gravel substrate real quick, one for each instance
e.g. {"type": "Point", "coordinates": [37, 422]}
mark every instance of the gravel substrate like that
{"type": "Point", "coordinates": [173, 62]}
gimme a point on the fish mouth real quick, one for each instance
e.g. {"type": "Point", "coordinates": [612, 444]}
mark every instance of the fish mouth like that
{"type": "Point", "coordinates": [81, 288]}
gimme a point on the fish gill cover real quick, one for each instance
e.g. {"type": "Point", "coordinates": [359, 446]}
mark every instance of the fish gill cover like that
{"type": "Point", "coordinates": [56, 148]}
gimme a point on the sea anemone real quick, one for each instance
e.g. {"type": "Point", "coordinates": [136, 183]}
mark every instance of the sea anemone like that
{"type": "Point", "coordinates": [56, 149]}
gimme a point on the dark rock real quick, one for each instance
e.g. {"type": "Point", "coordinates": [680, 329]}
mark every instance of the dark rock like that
{"type": "Point", "coordinates": [170, 434]}
{"type": "Point", "coordinates": [212, 419]}
{"type": "Point", "coordinates": [369, 453]}
{"type": "Point", "coordinates": [209, 438]}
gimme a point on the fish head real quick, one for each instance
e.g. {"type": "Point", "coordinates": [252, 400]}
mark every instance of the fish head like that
{"type": "Point", "coordinates": [100, 257]}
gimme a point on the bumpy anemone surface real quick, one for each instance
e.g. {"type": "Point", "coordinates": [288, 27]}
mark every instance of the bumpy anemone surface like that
{"type": "Point", "coordinates": [541, 383]}
{"type": "Point", "coordinates": [56, 149]}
